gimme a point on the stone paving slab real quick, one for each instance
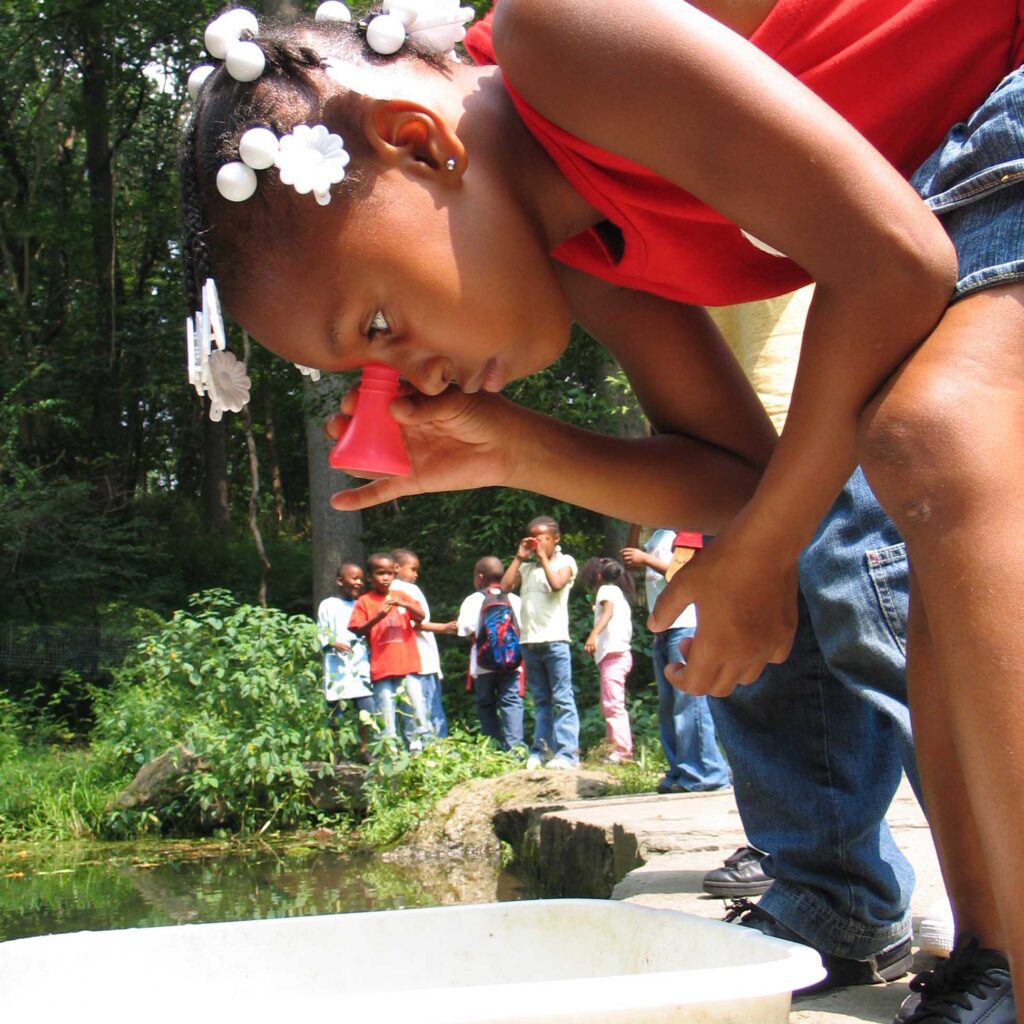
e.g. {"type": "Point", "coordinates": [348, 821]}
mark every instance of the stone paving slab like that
{"type": "Point", "coordinates": [682, 836]}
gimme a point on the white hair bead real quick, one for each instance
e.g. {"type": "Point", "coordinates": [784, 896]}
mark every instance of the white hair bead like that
{"type": "Point", "coordinates": [245, 61]}
{"type": "Point", "coordinates": [236, 182]}
{"type": "Point", "coordinates": [228, 29]}
{"type": "Point", "coordinates": [405, 11]}
{"type": "Point", "coordinates": [196, 79]}
{"type": "Point", "coordinates": [385, 34]}
{"type": "Point", "coordinates": [333, 10]}
{"type": "Point", "coordinates": [258, 147]}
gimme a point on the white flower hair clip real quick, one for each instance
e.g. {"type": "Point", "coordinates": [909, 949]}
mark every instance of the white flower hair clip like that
{"type": "Point", "coordinates": [436, 25]}
{"type": "Point", "coordinates": [212, 370]}
{"type": "Point", "coordinates": [309, 158]}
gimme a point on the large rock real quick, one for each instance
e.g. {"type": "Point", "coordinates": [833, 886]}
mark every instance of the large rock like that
{"type": "Point", "coordinates": [463, 822]}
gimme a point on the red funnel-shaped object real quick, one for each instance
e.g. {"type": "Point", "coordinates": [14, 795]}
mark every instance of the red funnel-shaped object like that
{"type": "Point", "coordinates": [372, 442]}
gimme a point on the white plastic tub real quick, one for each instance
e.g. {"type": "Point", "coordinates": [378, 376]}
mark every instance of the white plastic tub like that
{"type": "Point", "coordinates": [546, 960]}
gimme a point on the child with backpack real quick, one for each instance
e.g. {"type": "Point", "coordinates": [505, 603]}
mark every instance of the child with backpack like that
{"type": "Point", "coordinates": [491, 617]}
{"type": "Point", "coordinates": [609, 643]}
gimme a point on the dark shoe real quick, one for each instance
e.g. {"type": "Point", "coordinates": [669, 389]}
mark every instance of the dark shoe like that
{"type": "Point", "coordinates": [972, 987]}
{"type": "Point", "coordinates": [741, 876]}
{"type": "Point", "coordinates": [888, 965]}
{"type": "Point", "coordinates": [666, 785]}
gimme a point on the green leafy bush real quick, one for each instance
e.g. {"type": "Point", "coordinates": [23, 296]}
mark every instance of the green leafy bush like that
{"type": "Point", "coordinates": [400, 788]}
{"type": "Point", "coordinates": [239, 686]}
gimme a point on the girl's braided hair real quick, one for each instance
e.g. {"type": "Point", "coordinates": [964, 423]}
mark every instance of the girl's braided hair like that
{"type": "Point", "coordinates": [290, 91]}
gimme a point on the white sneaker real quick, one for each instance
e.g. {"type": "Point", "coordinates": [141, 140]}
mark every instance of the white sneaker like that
{"type": "Point", "coordinates": [533, 762]}
{"type": "Point", "coordinates": [937, 929]}
{"type": "Point", "coordinates": [561, 764]}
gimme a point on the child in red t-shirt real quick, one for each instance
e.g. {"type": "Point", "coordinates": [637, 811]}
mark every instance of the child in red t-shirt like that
{"type": "Point", "coordinates": [386, 617]}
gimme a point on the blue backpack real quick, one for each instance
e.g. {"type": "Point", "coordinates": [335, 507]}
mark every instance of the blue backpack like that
{"type": "Point", "coordinates": [497, 634]}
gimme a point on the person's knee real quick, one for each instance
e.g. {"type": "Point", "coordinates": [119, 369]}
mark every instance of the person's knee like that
{"type": "Point", "coordinates": [913, 445]}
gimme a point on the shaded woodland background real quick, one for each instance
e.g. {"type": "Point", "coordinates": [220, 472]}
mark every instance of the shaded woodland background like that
{"type": "Point", "coordinates": [118, 496]}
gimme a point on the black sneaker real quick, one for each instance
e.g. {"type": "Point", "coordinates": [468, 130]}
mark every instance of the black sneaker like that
{"type": "Point", "coordinates": [887, 965]}
{"type": "Point", "coordinates": [741, 876]}
{"type": "Point", "coordinates": [972, 987]}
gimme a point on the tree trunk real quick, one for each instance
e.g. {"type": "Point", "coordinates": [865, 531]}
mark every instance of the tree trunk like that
{"type": "Point", "coordinates": [337, 536]}
{"type": "Point", "coordinates": [270, 436]}
{"type": "Point", "coordinates": [215, 473]}
{"type": "Point", "coordinates": [254, 487]}
{"type": "Point", "coordinates": [104, 383]}
{"type": "Point", "coordinates": [629, 422]}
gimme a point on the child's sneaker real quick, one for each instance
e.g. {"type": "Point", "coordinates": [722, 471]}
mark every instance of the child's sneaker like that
{"type": "Point", "coordinates": [972, 987]}
{"type": "Point", "coordinates": [937, 929]}
{"type": "Point", "coordinates": [561, 764]}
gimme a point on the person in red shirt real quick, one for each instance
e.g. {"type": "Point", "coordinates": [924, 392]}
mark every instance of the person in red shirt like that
{"type": "Point", "coordinates": [461, 216]}
{"type": "Point", "coordinates": [387, 618]}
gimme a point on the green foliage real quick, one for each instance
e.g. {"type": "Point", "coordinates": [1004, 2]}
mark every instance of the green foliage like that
{"type": "Point", "coordinates": [400, 789]}
{"type": "Point", "coordinates": [47, 793]}
{"type": "Point", "coordinates": [239, 686]}
{"type": "Point", "coordinates": [11, 729]}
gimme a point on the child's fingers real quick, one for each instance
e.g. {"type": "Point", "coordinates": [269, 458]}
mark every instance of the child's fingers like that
{"type": "Point", "coordinates": [416, 408]}
{"type": "Point", "coordinates": [670, 604]}
{"type": "Point", "coordinates": [375, 493]}
{"type": "Point", "coordinates": [335, 425]}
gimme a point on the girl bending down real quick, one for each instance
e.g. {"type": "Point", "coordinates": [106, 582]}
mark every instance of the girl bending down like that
{"type": "Point", "coordinates": [624, 167]}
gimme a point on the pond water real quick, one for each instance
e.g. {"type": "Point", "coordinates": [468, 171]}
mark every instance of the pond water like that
{"type": "Point", "coordinates": [65, 887]}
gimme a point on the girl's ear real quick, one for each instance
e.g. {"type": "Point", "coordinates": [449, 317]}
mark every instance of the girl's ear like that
{"type": "Point", "coordinates": [405, 134]}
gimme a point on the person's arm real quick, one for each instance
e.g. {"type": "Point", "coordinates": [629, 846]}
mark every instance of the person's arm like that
{"type": "Point", "coordinates": [361, 623]}
{"type": "Point", "coordinates": [467, 622]}
{"type": "Point", "coordinates": [633, 557]}
{"type": "Point", "coordinates": [603, 618]}
{"type": "Point", "coordinates": [756, 145]}
{"type": "Point", "coordinates": [410, 604]}
{"type": "Point", "coordinates": [557, 578]}
{"type": "Point", "coordinates": [512, 579]}
{"type": "Point", "coordinates": [445, 628]}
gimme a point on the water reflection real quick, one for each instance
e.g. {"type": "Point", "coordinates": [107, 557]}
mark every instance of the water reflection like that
{"type": "Point", "coordinates": [75, 887]}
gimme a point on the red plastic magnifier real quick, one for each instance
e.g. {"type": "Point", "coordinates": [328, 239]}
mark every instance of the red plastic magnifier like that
{"type": "Point", "coordinates": [372, 442]}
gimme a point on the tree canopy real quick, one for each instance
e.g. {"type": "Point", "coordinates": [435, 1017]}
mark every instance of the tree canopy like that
{"type": "Point", "coordinates": [116, 491]}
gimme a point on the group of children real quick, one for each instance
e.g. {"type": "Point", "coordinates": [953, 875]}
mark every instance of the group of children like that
{"type": "Point", "coordinates": [381, 655]}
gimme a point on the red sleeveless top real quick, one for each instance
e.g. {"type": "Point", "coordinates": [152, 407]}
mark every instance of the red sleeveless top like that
{"type": "Point", "coordinates": [903, 72]}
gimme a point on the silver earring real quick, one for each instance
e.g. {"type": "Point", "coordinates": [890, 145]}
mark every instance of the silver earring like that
{"type": "Point", "coordinates": [450, 164]}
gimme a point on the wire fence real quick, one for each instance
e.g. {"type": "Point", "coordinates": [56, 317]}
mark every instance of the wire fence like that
{"type": "Point", "coordinates": [51, 650]}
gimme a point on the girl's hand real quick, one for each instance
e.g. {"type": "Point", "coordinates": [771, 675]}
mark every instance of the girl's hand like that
{"type": "Point", "coordinates": [455, 442]}
{"type": "Point", "coordinates": [633, 557]}
{"type": "Point", "coordinates": [590, 646]}
{"type": "Point", "coordinates": [527, 549]}
{"type": "Point", "coordinates": [746, 613]}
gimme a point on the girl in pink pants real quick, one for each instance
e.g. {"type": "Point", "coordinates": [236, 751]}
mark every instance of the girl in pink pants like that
{"type": "Point", "coordinates": [609, 642]}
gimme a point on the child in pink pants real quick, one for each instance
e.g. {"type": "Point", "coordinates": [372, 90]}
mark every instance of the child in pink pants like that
{"type": "Point", "coordinates": [609, 642]}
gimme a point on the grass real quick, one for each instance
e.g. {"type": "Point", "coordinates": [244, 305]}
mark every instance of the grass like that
{"type": "Point", "coordinates": [53, 793]}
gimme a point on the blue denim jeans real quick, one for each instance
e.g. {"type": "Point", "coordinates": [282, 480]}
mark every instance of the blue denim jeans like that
{"type": "Point", "coordinates": [817, 745]}
{"type": "Point", "coordinates": [556, 723]}
{"type": "Point", "coordinates": [431, 687]}
{"type": "Point", "coordinates": [685, 725]}
{"type": "Point", "coordinates": [499, 707]}
{"type": "Point", "coordinates": [415, 726]}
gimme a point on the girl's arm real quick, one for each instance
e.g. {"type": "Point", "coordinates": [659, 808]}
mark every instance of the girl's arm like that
{"type": "Point", "coordinates": [679, 93]}
{"type": "Point", "coordinates": [557, 579]}
{"type": "Point", "coordinates": [600, 624]}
